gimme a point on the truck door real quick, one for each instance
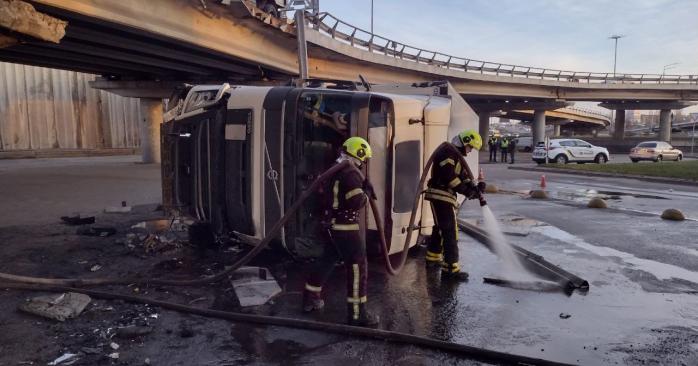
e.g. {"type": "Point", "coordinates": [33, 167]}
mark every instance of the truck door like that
{"type": "Point", "coordinates": [406, 150]}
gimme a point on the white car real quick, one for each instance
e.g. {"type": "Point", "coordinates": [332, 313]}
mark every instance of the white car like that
{"type": "Point", "coordinates": [563, 151]}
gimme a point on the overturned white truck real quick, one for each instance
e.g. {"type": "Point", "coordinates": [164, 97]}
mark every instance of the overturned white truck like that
{"type": "Point", "coordinates": [237, 157]}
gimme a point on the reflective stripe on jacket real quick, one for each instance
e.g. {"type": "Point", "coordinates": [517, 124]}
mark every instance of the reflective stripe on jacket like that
{"type": "Point", "coordinates": [348, 199]}
{"type": "Point", "coordinates": [447, 178]}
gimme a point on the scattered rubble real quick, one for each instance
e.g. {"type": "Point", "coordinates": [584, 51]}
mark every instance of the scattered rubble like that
{"type": "Point", "coordinates": [597, 203]}
{"type": "Point", "coordinates": [77, 220]}
{"type": "Point", "coordinates": [133, 331]}
{"type": "Point", "coordinates": [97, 231]}
{"type": "Point", "coordinates": [65, 306]}
{"type": "Point", "coordinates": [65, 359]}
{"type": "Point", "coordinates": [673, 214]}
{"type": "Point", "coordinates": [539, 194]}
{"type": "Point", "coordinates": [254, 286]}
{"type": "Point", "coordinates": [565, 316]}
{"type": "Point", "coordinates": [124, 208]}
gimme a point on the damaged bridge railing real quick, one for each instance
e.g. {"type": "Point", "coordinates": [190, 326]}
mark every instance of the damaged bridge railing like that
{"type": "Point", "coordinates": [331, 26]}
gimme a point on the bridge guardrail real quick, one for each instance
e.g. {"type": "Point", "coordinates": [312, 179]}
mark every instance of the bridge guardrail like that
{"type": "Point", "coordinates": [336, 28]}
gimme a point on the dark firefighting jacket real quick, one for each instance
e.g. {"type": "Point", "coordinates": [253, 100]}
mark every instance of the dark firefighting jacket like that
{"type": "Point", "coordinates": [347, 199]}
{"type": "Point", "coordinates": [448, 177]}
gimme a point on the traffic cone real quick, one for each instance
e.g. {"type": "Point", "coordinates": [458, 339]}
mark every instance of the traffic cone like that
{"type": "Point", "coordinates": [542, 181]}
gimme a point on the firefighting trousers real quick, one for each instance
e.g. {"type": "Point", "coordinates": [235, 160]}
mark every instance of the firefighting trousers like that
{"type": "Point", "coordinates": [351, 249]}
{"type": "Point", "coordinates": [444, 236]}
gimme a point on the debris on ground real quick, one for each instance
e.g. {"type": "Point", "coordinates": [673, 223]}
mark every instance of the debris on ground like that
{"type": "Point", "coordinates": [673, 214]}
{"type": "Point", "coordinates": [538, 194]}
{"type": "Point", "coordinates": [97, 231]}
{"type": "Point", "coordinates": [65, 306]}
{"type": "Point", "coordinates": [77, 220]}
{"type": "Point", "coordinates": [133, 331]}
{"type": "Point", "coordinates": [65, 359]}
{"type": "Point", "coordinates": [597, 203]}
{"type": "Point", "coordinates": [565, 316]}
{"type": "Point", "coordinates": [124, 208]}
{"type": "Point", "coordinates": [114, 356]}
{"type": "Point", "coordinates": [114, 345]}
{"type": "Point", "coordinates": [95, 268]}
{"type": "Point", "coordinates": [254, 286]}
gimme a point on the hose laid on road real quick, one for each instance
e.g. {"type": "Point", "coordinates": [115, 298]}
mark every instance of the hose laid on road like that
{"type": "Point", "coordinates": [346, 330]}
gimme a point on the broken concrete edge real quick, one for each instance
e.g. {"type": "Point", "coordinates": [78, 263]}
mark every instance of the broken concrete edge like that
{"type": "Point", "coordinates": [7, 41]}
{"type": "Point", "coordinates": [66, 153]}
{"type": "Point", "coordinates": [645, 178]}
{"type": "Point", "coordinates": [532, 261]}
{"type": "Point", "coordinates": [476, 353]}
{"type": "Point", "coordinates": [21, 17]}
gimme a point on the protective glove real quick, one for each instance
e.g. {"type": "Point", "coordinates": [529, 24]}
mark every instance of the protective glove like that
{"type": "Point", "coordinates": [481, 187]}
{"type": "Point", "coordinates": [368, 189]}
{"type": "Point", "coordinates": [472, 192]}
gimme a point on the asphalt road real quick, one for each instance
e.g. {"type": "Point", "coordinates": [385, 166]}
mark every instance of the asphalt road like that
{"type": "Point", "coordinates": [642, 306]}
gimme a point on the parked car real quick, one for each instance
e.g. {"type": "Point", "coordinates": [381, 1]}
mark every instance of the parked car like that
{"type": "Point", "coordinates": [563, 151]}
{"type": "Point", "coordinates": [524, 143]}
{"type": "Point", "coordinates": [655, 151]}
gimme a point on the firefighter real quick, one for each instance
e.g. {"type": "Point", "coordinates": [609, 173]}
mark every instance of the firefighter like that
{"type": "Point", "coordinates": [347, 196]}
{"type": "Point", "coordinates": [448, 177]}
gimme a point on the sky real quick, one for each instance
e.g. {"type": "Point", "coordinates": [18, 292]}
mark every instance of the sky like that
{"type": "Point", "coordinates": [557, 34]}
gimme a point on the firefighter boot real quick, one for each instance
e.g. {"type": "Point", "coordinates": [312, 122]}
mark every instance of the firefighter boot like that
{"type": "Point", "coordinates": [312, 301]}
{"type": "Point", "coordinates": [358, 315]}
{"type": "Point", "coordinates": [452, 272]}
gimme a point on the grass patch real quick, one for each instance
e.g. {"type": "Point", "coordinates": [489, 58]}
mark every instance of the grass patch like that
{"type": "Point", "coordinates": [668, 169]}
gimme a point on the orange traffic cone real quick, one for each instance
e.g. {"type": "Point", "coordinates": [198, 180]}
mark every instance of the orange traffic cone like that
{"type": "Point", "coordinates": [542, 181]}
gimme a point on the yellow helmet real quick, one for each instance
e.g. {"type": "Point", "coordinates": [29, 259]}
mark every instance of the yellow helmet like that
{"type": "Point", "coordinates": [468, 137]}
{"type": "Point", "coordinates": [358, 148]}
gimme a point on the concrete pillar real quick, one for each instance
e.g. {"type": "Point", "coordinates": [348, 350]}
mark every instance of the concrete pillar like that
{"type": "Point", "coordinates": [665, 125]}
{"type": "Point", "coordinates": [557, 131]}
{"type": "Point", "coordinates": [538, 127]}
{"type": "Point", "coordinates": [619, 132]}
{"type": "Point", "coordinates": [151, 118]}
{"type": "Point", "coordinates": [484, 118]}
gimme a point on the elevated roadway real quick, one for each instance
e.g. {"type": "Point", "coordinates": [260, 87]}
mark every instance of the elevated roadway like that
{"type": "Point", "coordinates": [143, 48]}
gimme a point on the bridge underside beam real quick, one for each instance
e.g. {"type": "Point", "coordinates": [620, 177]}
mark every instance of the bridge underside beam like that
{"type": "Point", "coordinates": [648, 105]}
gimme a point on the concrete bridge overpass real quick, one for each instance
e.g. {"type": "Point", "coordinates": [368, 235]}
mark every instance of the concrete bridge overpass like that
{"type": "Point", "coordinates": [143, 48]}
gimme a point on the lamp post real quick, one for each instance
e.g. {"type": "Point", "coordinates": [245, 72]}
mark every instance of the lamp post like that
{"type": "Point", "coordinates": [669, 66]}
{"type": "Point", "coordinates": [371, 16]}
{"type": "Point", "coordinates": [615, 37]}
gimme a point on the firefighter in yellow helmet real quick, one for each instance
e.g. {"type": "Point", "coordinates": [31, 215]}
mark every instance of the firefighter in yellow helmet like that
{"type": "Point", "coordinates": [347, 196]}
{"type": "Point", "coordinates": [448, 178]}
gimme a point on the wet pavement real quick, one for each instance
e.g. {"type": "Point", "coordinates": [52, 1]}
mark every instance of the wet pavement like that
{"type": "Point", "coordinates": [641, 308]}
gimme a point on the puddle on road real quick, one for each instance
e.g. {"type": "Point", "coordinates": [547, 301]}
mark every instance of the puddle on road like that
{"type": "Point", "coordinates": [587, 194]}
{"type": "Point", "coordinates": [661, 271]}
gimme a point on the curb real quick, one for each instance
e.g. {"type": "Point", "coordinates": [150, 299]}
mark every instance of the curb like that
{"type": "Point", "coordinates": [646, 178]}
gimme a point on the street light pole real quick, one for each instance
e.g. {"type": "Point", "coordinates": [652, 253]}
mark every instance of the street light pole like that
{"type": "Point", "coordinates": [615, 37]}
{"type": "Point", "coordinates": [669, 66]}
{"type": "Point", "coordinates": [371, 16]}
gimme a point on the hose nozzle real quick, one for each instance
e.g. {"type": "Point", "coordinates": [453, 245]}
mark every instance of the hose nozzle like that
{"type": "Point", "coordinates": [482, 200]}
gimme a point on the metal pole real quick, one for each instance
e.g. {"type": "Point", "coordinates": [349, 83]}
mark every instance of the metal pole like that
{"type": "Point", "coordinates": [693, 136]}
{"type": "Point", "coordinates": [302, 48]}
{"type": "Point", "coordinates": [371, 16]}
{"type": "Point", "coordinates": [615, 57]}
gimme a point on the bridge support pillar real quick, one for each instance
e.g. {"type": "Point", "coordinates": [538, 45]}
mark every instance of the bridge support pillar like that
{"type": "Point", "coordinates": [619, 131]}
{"type": "Point", "coordinates": [151, 118]}
{"type": "Point", "coordinates": [538, 127]}
{"type": "Point", "coordinates": [665, 125]}
{"type": "Point", "coordinates": [484, 129]}
{"type": "Point", "coordinates": [557, 131]}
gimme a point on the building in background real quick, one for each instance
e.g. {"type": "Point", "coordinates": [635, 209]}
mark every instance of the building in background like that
{"type": "Point", "coordinates": [54, 110]}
